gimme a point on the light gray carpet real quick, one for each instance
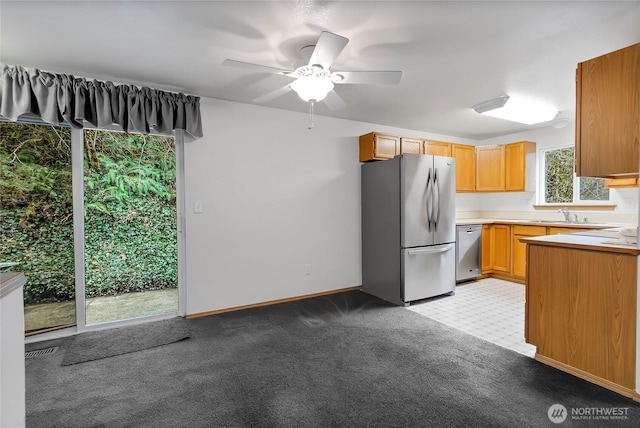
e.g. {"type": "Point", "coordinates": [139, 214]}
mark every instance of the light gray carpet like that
{"type": "Point", "coordinates": [346, 360]}
{"type": "Point", "coordinates": [95, 345]}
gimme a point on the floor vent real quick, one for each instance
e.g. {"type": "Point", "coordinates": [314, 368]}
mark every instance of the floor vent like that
{"type": "Point", "coordinates": [40, 352]}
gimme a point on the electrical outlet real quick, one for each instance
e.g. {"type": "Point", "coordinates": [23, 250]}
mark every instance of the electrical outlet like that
{"type": "Point", "coordinates": [307, 269]}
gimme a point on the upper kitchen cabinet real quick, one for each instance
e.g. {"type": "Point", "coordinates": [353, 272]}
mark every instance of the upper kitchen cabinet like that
{"type": "Point", "coordinates": [375, 146]}
{"type": "Point", "coordinates": [437, 148]}
{"type": "Point", "coordinates": [465, 167]}
{"type": "Point", "coordinates": [608, 114]}
{"type": "Point", "coordinates": [490, 168]}
{"type": "Point", "coordinates": [613, 183]}
{"type": "Point", "coordinates": [411, 145]}
{"type": "Point", "coordinates": [520, 166]}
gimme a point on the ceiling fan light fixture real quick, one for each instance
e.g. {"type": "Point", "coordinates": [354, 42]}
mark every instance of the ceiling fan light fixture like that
{"type": "Point", "coordinates": [517, 109]}
{"type": "Point", "coordinates": [312, 88]}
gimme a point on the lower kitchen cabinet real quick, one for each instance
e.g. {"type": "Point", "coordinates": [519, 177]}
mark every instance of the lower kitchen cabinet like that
{"type": "Point", "coordinates": [504, 256]}
{"type": "Point", "coordinates": [501, 248]}
{"type": "Point", "coordinates": [581, 311]}
{"type": "Point", "coordinates": [496, 248]}
{"type": "Point", "coordinates": [486, 249]}
{"type": "Point", "coordinates": [519, 249]}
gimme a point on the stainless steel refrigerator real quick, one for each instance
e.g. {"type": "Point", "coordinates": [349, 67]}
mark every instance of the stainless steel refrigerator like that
{"type": "Point", "coordinates": [408, 227]}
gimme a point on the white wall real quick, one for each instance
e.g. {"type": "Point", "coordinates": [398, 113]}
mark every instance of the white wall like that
{"type": "Point", "coordinates": [520, 204]}
{"type": "Point", "coordinates": [276, 196]}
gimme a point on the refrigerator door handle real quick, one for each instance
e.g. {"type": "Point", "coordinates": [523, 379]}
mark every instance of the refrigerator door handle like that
{"type": "Point", "coordinates": [429, 206]}
{"type": "Point", "coordinates": [430, 250]}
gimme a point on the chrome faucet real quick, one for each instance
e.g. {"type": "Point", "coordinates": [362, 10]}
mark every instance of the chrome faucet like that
{"type": "Point", "coordinates": [567, 215]}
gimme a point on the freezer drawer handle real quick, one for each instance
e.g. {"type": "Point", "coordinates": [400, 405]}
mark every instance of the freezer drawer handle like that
{"type": "Point", "coordinates": [430, 250]}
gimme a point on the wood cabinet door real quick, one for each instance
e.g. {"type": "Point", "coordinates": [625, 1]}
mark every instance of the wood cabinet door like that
{"type": "Point", "coordinates": [519, 249]}
{"type": "Point", "coordinates": [581, 310]}
{"type": "Point", "coordinates": [386, 146]}
{"type": "Point", "coordinates": [519, 166]}
{"type": "Point", "coordinates": [620, 182]}
{"type": "Point", "coordinates": [501, 248]}
{"type": "Point", "coordinates": [437, 148]}
{"type": "Point", "coordinates": [519, 253]}
{"type": "Point", "coordinates": [411, 145]}
{"type": "Point", "coordinates": [465, 167]}
{"type": "Point", "coordinates": [607, 120]}
{"type": "Point", "coordinates": [374, 146]}
{"type": "Point", "coordinates": [490, 168]}
{"type": "Point", "coordinates": [486, 249]}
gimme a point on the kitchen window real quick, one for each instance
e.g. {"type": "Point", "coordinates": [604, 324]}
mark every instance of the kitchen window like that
{"type": "Point", "coordinates": [559, 184]}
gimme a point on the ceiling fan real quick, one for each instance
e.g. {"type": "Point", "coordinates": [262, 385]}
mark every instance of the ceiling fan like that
{"type": "Point", "coordinates": [313, 78]}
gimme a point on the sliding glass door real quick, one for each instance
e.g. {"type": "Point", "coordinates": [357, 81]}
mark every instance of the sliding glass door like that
{"type": "Point", "coordinates": [90, 217]}
{"type": "Point", "coordinates": [36, 220]}
{"type": "Point", "coordinates": [130, 238]}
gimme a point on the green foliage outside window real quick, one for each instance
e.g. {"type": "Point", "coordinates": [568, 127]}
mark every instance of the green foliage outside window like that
{"type": "Point", "coordinates": [558, 175]}
{"type": "Point", "coordinates": [559, 179]}
{"type": "Point", "coordinates": [130, 233]}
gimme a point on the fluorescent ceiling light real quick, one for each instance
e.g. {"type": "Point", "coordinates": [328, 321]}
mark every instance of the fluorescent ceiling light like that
{"type": "Point", "coordinates": [517, 109]}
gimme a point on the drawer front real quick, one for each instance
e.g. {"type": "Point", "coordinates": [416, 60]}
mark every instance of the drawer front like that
{"type": "Point", "coordinates": [529, 230]}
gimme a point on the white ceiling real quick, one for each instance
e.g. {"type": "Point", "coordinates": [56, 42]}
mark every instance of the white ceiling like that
{"type": "Point", "coordinates": [452, 54]}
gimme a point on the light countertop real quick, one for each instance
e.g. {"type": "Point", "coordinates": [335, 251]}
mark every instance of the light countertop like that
{"type": "Point", "coordinates": [529, 222]}
{"type": "Point", "coordinates": [10, 281]}
{"type": "Point", "coordinates": [580, 241]}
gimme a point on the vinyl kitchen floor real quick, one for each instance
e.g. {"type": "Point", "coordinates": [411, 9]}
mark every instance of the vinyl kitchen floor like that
{"type": "Point", "coordinates": [490, 309]}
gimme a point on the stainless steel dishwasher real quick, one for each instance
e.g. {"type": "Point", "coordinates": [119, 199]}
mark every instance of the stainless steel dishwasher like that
{"type": "Point", "coordinates": [468, 252]}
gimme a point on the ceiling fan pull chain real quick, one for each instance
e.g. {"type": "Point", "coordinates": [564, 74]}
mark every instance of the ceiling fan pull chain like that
{"type": "Point", "coordinates": [311, 103]}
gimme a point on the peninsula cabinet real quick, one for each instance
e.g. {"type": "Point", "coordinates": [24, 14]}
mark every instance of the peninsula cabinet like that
{"type": "Point", "coordinates": [437, 148]}
{"type": "Point", "coordinates": [465, 167]}
{"type": "Point", "coordinates": [375, 146]}
{"type": "Point", "coordinates": [607, 118]}
{"type": "Point", "coordinates": [490, 168]}
{"type": "Point", "coordinates": [411, 145]}
{"type": "Point", "coordinates": [580, 310]}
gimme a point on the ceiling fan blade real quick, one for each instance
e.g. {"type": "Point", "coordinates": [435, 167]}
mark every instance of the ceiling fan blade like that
{"type": "Point", "coordinates": [272, 95]}
{"type": "Point", "coordinates": [327, 49]}
{"type": "Point", "coordinates": [254, 67]}
{"type": "Point", "coordinates": [367, 77]}
{"type": "Point", "coordinates": [334, 101]}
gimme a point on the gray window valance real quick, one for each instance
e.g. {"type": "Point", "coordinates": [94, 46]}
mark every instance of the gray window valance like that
{"type": "Point", "coordinates": [59, 98]}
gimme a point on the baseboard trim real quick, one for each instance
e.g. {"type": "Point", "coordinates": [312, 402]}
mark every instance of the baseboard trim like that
{"type": "Point", "coordinates": [622, 390]}
{"type": "Point", "coordinates": [273, 302]}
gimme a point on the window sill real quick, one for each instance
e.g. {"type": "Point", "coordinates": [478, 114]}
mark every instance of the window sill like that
{"type": "Point", "coordinates": [579, 207]}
